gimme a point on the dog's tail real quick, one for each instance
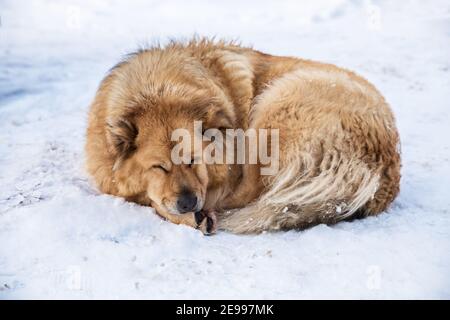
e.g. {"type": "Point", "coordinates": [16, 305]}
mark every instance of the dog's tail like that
{"type": "Point", "coordinates": [305, 193]}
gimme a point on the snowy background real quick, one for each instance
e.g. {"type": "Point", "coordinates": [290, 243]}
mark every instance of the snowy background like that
{"type": "Point", "coordinates": [60, 238]}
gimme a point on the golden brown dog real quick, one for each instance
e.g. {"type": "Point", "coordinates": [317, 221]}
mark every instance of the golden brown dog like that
{"type": "Point", "coordinates": [338, 143]}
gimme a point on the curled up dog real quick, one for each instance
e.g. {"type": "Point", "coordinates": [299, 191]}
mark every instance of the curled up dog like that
{"type": "Point", "coordinates": [215, 135]}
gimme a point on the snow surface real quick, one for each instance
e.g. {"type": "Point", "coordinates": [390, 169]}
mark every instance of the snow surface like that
{"type": "Point", "coordinates": [60, 238]}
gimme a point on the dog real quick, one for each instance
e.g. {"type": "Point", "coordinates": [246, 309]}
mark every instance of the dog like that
{"type": "Point", "coordinates": [338, 147]}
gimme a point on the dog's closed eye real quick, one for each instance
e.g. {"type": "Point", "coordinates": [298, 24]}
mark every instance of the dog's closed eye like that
{"type": "Point", "coordinates": [160, 167]}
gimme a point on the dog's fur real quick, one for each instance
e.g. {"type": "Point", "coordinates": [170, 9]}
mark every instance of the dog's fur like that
{"type": "Point", "coordinates": [338, 150]}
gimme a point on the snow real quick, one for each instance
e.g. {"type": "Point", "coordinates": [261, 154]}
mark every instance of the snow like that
{"type": "Point", "coordinates": [60, 238]}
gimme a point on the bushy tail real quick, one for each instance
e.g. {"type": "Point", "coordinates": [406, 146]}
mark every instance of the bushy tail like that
{"type": "Point", "coordinates": [303, 194]}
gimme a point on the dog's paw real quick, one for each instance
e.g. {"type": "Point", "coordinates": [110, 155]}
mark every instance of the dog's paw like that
{"type": "Point", "coordinates": [206, 221]}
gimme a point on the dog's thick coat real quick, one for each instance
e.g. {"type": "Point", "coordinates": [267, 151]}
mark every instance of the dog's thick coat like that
{"type": "Point", "coordinates": [338, 151]}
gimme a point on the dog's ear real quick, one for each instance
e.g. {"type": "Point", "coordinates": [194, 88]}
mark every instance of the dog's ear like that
{"type": "Point", "coordinates": [121, 136]}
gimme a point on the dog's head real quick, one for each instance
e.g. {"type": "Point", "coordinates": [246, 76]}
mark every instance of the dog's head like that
{"type": "Point", "coordinates": [140, 138]}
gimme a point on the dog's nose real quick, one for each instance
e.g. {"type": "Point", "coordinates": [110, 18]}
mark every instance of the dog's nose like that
{"type": "Point", "coordinates": [186, 202]}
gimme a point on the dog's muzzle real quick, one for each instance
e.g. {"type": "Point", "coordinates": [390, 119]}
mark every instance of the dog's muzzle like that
{"type": "Point", "coordinates": [187, 202]}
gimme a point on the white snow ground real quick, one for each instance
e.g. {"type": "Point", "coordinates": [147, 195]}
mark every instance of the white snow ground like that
{"type": "Point", "coordinates": [60, 238]}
